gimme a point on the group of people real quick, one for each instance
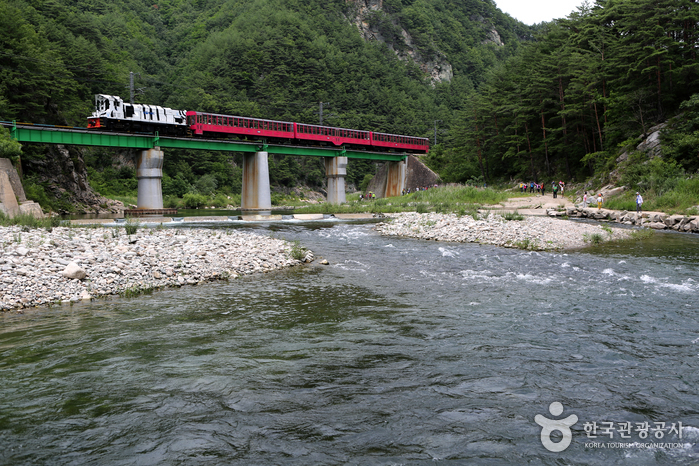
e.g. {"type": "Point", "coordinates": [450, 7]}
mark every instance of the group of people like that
{"type": "Point", "coordinates": [540, 188]}
{"type": "Point", "coordinates": [370, 195]}
{"type": "Point", "coordinates": [600, 201]}
{"type": "Point", "coordinates": [587, 198]}
{"type": "Point", "coordinates": [424, 188]}
{"type": "Point", "coordinates": [559, 187]}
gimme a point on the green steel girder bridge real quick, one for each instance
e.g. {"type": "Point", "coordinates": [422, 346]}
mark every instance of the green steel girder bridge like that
{"type": "Point", "coordinates": [46, 134]}
{"type": "Point", "coordinates": [256, 193]}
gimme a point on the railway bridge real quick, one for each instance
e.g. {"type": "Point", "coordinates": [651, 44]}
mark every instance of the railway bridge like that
{"type": "Point", "coordinates": [256, 193]}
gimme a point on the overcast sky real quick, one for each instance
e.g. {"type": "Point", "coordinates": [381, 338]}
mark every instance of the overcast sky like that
{"type": "Point", "coordinates": [536, 11]}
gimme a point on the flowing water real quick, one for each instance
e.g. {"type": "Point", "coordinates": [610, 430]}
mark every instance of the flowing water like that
{"type": "Point", "coordinates": [398, 352]}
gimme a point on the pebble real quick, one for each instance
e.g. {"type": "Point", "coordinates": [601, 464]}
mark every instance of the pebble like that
{"type": "Point", "coordinates": [73, 264]}
{"type": "Point", "coordinates": [538, 233]}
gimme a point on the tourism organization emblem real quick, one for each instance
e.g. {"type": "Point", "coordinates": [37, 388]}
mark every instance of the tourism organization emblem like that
{"type": "Point", "coordinates": [549, 426]}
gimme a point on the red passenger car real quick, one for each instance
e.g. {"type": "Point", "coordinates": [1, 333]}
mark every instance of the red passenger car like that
{"type": "Point", "coordinates": [336, 136]}
{"type": "Point", "coordinates": [201, 123]}
{"type": "Point", "coordinates": [396, 141]}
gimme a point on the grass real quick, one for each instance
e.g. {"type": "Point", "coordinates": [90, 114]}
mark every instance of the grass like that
{"type": "Point", "coordinates": [131, 227]}
{"type": "Point", "coordinates": [682, 199]}
{"type": "Point", "coordinates": [608, 230]}
{"type": "Point", "coordinates": [461, 200]}
{"type": "Point", "coordinates": [513, 216]}
{"type": "Point", "coordinates": [528, 244]}
{"type": "Point", "coordinates": [127, 200]}
{"type": "Point", "coordinates": [136, 290]}
{"type": "Point", "coordinates": [594, 238]}
{"type": "Point", "coordinates": [31, 222]}
{"type": "Point", "coordinates": [298, 252]}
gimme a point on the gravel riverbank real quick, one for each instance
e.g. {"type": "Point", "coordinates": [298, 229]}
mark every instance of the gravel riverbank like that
{"type": "Point", "coordinates": [541, 233]}
{"type": "Point", "coordinates": [39, 267]}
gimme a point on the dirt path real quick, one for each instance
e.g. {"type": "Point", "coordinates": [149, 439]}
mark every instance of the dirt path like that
{"type": "Point", "coordinates": [535, 204]}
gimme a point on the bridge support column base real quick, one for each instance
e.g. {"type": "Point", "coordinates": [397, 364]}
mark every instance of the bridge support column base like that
{"type": "Point", "coordinates": [336, 170]}
{"type": "Point", "coordinates": [256, 194]}
{"type": "Point", "coordinates": [150, 176]}
{"type": "Point", "coordinates": [395, 178]}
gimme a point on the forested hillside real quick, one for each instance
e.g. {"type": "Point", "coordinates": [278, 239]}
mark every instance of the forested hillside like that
{"type": "Point", "coordinates": [587, 88]}
{"type": "Point", "coordinates": [261, 58]}
{"type": "Point", "coordinates": [557, 100]}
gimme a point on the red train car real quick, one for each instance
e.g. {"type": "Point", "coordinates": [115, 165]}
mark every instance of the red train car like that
{"type": "Point", "coordinates": [201, 123]}
{"type": "Point", "coordinates": [396, 141]}
{"type": "Point", "coordinates": [336, 136]}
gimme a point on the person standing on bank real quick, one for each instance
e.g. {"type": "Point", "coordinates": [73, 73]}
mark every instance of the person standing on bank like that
{"type": "Point", "coordinates": [639, 203]}
{"type": "Point", "coordinates": [600, 200]}
{"type": "Point", "coordinates": [585, 200]}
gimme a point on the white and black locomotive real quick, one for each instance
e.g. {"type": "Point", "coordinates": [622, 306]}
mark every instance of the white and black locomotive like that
{"type": "Point", "coordinates": [113, 114]}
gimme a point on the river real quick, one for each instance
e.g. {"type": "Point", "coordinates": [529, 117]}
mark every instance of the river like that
{"type": "Point", "coordinates": [398, 352]}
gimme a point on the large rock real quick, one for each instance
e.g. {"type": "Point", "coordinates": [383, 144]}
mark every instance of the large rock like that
{"type": "Point", "coordinates": [609, 191]}
{"type": "Point", "coordinates": [657, 225]}
{"type": "Point", "coordinates": [64, 174]}
{"type": "Point", "coordinates": [74, 271]}
{"type": "Point", "coordinates": [657, 217]}
{"type": "Point", "coordinates": [694, 224]}
{"type": "Point", "coordinates": [673, 219]}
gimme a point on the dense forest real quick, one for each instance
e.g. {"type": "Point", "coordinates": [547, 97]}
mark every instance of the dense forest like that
{"type": "Point", "coordinates": [273, 59]}
{"type": "Point", "coordinates": [589, 87]}
{"type": "Point", "coordinates": [559, 99]}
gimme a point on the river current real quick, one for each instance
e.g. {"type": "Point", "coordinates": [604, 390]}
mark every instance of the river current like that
{"type": "Point", "coordinates": [398, 352]}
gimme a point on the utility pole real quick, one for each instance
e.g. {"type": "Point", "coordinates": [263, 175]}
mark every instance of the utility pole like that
{"type": "Point", "coordinates": [131, 85]}
{"type": "Point", "coordinates": [435, 130]}
{"type": "Point", "coordinates": [321, 112]}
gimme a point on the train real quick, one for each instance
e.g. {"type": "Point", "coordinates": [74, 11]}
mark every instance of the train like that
{"type": "Point", "coordinates": [113, 114]}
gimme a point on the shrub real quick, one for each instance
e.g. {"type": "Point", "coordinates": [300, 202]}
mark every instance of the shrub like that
{"type": "Point", "coordinates": [131, 227]}
{"type": "Point", "coordinates": [221, 200]}
{"type": "Point", "coordinates": [194, 201]}
{"type": "Point", "coordinates": [297, 252]}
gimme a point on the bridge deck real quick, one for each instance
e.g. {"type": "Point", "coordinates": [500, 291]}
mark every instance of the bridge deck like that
{"type": "Point", "coordinates": [45, 134]}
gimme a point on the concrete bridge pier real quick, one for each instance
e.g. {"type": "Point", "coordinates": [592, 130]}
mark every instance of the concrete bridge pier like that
{"type": "Point", "coordinates": [150, 176]}
{"type": "Point", "coordinates": [336, 170]}
{"type": "Point", "coordinates": [256, 194]}
{"type": "Point", "coordinates": [395, 178]}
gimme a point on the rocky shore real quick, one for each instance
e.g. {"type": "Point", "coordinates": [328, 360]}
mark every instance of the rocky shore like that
{"type": "Point", "coordinates": [536, 233]}
{"type": "Point", "coordinates": [654, 220]}
{"type": "Point", "coordinates": [40, 267]}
